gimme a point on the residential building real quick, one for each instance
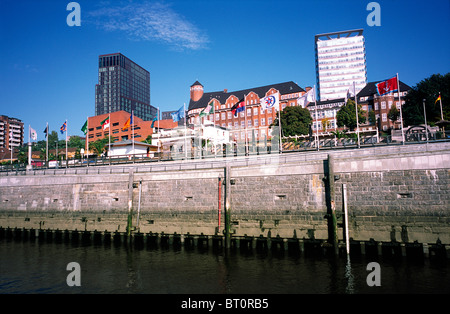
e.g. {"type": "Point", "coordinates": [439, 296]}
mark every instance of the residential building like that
{"type": "Point", "coordinates": [11, 135]}
{"type": "Point", "coordinates": [369, 99]}
{"type": "Point", "coordinates": [123, 85]}
{"type": "Point", "coordinates": [340, 61]}
{"type": "Point", "coordinates": [252, 120]}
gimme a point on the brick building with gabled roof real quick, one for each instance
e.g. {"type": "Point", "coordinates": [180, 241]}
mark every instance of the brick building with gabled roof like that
{"type": "Point", "coordinates": [253, 120]}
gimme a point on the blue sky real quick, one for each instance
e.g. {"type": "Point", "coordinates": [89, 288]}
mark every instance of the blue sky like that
{"type": "Point", "coordinates": [48, 70]}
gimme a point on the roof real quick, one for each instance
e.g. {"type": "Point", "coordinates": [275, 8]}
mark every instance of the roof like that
{"type": "Point", "coordinates": [222, 96]}
{"type": "Point", "coordinates": [370, 89]}
{"type": "Point", "coordinates": [196, 83]}
{"type": "Point", "coordinates": [129, 142]}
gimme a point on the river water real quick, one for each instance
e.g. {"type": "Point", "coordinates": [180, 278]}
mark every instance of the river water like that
{"type": "Point", "coordinates": [32, 267]}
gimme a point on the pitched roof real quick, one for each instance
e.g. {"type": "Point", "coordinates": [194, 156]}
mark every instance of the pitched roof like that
{"type": "Point", "coordinates": [197, 83]}
{"type": "Point", "coordinates": [370, 89]}
{"type": "Point", "coordinates": [222, 96]}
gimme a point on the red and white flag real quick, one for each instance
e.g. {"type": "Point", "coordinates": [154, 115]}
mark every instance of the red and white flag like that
{"type": "Point", "coordinates": [388, 86]}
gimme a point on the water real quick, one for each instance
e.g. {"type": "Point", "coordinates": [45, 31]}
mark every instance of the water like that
{"type": "Point", "coordinates": [32, 267]}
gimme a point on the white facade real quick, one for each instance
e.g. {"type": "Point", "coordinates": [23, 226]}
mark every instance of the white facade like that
{"type": "Point", "coordinates": [340, 61]}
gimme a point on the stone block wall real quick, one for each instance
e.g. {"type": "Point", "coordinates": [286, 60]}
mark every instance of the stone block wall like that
{"type": "Point", "coordinates": [400, 195]}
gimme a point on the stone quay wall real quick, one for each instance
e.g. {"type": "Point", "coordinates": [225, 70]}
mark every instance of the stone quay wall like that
{"type": "Point", "coordinates": [398, 193]}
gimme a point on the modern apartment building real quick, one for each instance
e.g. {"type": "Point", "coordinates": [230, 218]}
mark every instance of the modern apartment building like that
{"type": "Point", "coordinates": [340, 61]}
{"type": "Point", "coordinates": [11, 135]}
{"type": "Point", "coordinates": [123, 85]}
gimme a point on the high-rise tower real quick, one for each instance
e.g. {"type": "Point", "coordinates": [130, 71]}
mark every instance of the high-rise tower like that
{"type": "Point", "coordinates": [123, 85]}
{"type": "Point", "coordinates": [340, 61]}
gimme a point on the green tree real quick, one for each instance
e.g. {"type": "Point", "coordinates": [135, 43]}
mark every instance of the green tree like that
{"type": "Point", "coordinates": [148, 140]}
{"type": "Point", "coordinates": [428, 89]}
{"type": "Point", "coordinates": [372, 117]}
{"type": "Point", "coordinates": [76, 142]}
{"type": "Point", "coordinates": [294, 121]}
{"type": "Point", "coordinates": [346, 116]}
{"type": "Point", "coordinates": [393, 113]}
{"type": "Point", "coordinates": [98, 146]}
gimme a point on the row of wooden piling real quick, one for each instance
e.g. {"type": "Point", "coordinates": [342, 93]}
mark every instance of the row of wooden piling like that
{"type": "Point", "coordinates": [243, 243]}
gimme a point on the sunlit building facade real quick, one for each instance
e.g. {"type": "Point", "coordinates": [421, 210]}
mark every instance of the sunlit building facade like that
{"type": "Point", "coordinates": [340, 61]}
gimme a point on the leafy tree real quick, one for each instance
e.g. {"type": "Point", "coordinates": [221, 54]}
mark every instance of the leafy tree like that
{"type": "Point", "coordinates": [372, 117]}
{"type": "Point", "coordinates": [148, 140]}
{"type": "Point", "coordinates": [76, 142]}
{"type": "Point", "coordinates": [294, 121]}
{"type": "Point", "coordinates": [346, 116]}
{"type": "Point", "coordinates": [98, 146]}
{"type": "Point", "coordinates": [427, 89]}
{"type": "Point", "coordinates": [393, 113]}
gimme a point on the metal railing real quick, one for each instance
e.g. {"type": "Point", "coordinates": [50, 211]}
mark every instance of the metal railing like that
{"type": "Point", "coordinates": [168, 161]}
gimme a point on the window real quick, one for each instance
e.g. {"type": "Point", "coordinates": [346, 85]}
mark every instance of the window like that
{"type": "Point", "coordinates": [255, 111]}
{"type": "Point", "coordinates": [263, 121]}
{"type": "Point", "coordinates": [255, 122]}
{"type": "Point", "coordinates": [269, 120]}
{"type": "Point", "coordinates": [229, 115]}
{"type": "Point", "coordinates": [223, 115]}
{"type": "Point", "coordinates": [383, 105]}
{"type": "Point", "coordinates": [249, 123]}
{"type": "Point", "coordinates": [249, 112]}
{"type": "Point", "coordinates": [242, 124]}
{"type": "Point", "coordinates": [384, 117]}
{"type": "Point", "coordinates": [375, 107]}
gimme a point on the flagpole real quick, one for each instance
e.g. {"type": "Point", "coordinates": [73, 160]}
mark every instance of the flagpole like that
{"type": "Point", "coordinates": [279, 124]}
{"type": "Point", "coordinates": [87, 141]}
{"type": "Point", "coordinates": [245, 126]}
{"type": "Point", "coordinates": [185, 130]}
{"type": "Point", "coordinates": [132, 132]}
{"type": "Point", "coordinates": [356, 109]}
{"type": "Point", "coordinates": [159, 135]}
{"type": "Point", "coordinates": [46, 147]}
{"type": "Point", "coordinates": [317, 125]}
{"type": "Point", "coordinates": [401, 114]}
{"type": "Point", "coordinates": [109, 137]}
{"type": "Point", "coordinates": [29, 148]}
{"type": "Point", "coordinates": [442, 114]}
{"type": "Point", "coordinates": [425, 117]}
{"type": "Point", "coordinates": [66, 146]}
{"type": "Point", "coordinates": [214, 128]}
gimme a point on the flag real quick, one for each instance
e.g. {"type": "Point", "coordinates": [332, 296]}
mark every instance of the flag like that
{"type": "Point", "coordinates": [178, 115]}
{"type": "Point", "coordinates": [128, 123]}
{"type": "Point", "coordinates": [33, 134]}
{"type": "Point", "coordinates": [63, 127]}
{"type": "Point", "coordinates": [238, 107]}
{"type": "Point", "coordinates": [46, 131]}
{"type": "Point", "coordinates": [439, 98]}
{"type": "Point", "coordinates": [350, 93]}
{"type": "Point", "coordinates": [271, 101]}
{"type": "Point", "coordinates": [154, 120]}
{"type": "Point", "coordinates": [306, 98]}
{"type": "Point", "coordinates": [84, 127]}
{"type": "Point", "coordinates": [209, 109]}
{"type": "Point", "coordinates": [388, 86]}
{"type": "Point", "coordinates": [105, 123]}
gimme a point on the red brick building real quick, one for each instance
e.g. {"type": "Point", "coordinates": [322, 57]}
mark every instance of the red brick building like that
{"type": "Point", "coordinates": [252, 119]}
{"type": "Point", "coordinates": [118, 119]}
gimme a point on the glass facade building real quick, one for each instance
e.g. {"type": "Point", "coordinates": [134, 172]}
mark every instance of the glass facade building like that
{"type": "Point", "coordinates": [123, 85]}
{"type": "Point", "coordinates": [340, 61]}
